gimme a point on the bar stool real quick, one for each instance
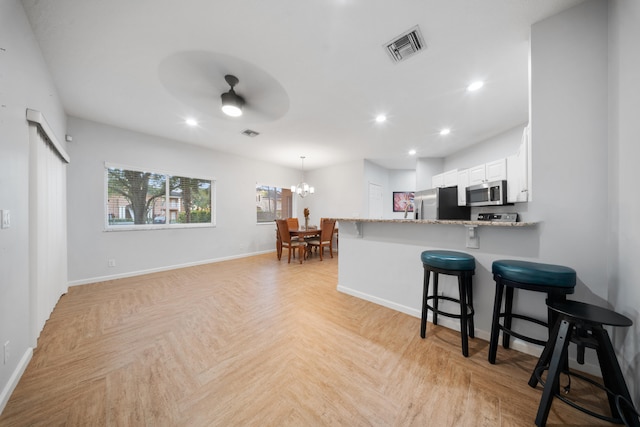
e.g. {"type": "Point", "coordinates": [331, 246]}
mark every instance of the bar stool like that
{"type": "Point", "coordinates": [583, 324]}
{"type": "Point", "coordinates": [556, 280]}
{"type": "Point", "coordinates": [451, 263]}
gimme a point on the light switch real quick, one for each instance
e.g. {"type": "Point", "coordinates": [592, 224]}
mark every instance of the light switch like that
{"type": "Point", "coordinates": [6, 219]}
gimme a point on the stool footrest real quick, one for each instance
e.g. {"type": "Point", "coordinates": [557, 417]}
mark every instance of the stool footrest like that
{"type": "Point", "coordinates": [538, 373]}
{"type": "Point", "coordinates": [470, 310]}
{"type": "Point", "coordinates": [520, 336]}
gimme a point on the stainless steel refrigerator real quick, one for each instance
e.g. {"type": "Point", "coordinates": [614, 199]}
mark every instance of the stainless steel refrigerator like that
{"type": "Point", "coordinates": [439, 203]}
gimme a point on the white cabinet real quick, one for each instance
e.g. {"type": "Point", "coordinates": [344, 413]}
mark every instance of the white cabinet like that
{"type": "Point", "coordinates": [445, 179]}
{"type": "Point", "coordinates": [518, 174]}
{"type": "Point", "coordinates": [492, 171]}
{"type": "Point", "coordinates": [463, 183]}
{"type": "Point", "coordinates": [437, 180]}
{"type": "Point", "coordinates": [451, 178]}
{"type": "Point", "coordinates": [496, 170]}
{"type": "Point", "coordinates": [477, 174]}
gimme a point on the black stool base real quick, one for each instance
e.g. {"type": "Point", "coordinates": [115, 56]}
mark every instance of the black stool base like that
{"type": "Point", "coordinates": [554, 293]}
{"type": "Point", "coordinates": [465, 301]}
{"type": "Point", "coordinates": [575, 316]}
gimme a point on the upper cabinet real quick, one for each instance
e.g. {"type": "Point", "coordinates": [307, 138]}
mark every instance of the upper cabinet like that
{"type": "Point", "coordinates": [518, 172]}
{"type": "Point", "coordinates": [437, 181]}
{"type": "Point", "coordinates": [477, 174]}
{"type": "Point", "coordinates": [463, 183]}
{"type": "Point", "coordinates": [451, 178]}
{"type": "Point", "coordinates": [446, 179]}
{"type": "Point", "coordinates": [497, 170]}
{"type": "Point", "coordinates": [492, 171]}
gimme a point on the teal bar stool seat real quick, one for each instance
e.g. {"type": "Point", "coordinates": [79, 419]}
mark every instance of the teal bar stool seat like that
{"type": "Point", "coordinates": [450, 263]}
{"type": "Point", "coordinates": [556, 281]}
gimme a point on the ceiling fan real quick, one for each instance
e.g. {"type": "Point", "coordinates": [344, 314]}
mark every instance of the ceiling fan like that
{"type": "Point", "coordinates": [197, 79]}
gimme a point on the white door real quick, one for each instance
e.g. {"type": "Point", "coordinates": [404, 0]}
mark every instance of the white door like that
{"type": "Point", "coordinates": [375, 200]}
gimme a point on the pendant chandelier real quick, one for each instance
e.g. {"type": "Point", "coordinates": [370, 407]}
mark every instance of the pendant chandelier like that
{"type": "Point", "coordinates": [302, 189]}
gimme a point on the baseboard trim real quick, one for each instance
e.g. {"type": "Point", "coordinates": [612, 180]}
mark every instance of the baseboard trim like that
{"type": "Point", "coordinates": [159, 269]}
{"type": "Point", "coordinates": [15, 378]}
{"type": "Point", "coordinates": [516, 344]}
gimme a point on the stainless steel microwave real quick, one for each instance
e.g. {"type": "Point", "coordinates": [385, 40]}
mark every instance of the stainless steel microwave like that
{"type": "Point", "coordinates": [487, 194]}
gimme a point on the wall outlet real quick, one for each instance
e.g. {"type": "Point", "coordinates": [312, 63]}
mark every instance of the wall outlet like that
{"type": "Point", "coordinates": [111, 262]}
{"type": "Point", "coordinates": [5, 358]}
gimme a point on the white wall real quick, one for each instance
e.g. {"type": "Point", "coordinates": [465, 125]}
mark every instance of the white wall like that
{"type": "Point", "coordinates": [624, 128]}
{"type": "Point", "coordinates": [569, 134]}
{"type": "Point", "coordinates": [235, 234]}
{"type": "Point", "coordinates": [25, 83]}
{"type": "Point", "coordinates": [337, 192]}
{"type": "Point", "coordinates": [426, 167]}
{"type": "Point", "coordinates": [375, 174]}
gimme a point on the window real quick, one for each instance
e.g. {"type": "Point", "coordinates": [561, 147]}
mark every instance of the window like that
{"type": "Point", "coordinates": [273, 203]}
{"type": "Point", "coordinates": [141, 199]}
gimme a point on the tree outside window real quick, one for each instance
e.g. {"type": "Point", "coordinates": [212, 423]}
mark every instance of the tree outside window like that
{"type": "Point", "coordinates": [137, 198]}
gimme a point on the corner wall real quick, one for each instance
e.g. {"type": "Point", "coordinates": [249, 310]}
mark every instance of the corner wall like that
{"type": "Point", "coordinates": [25, 83]}
{"type": "Point", "coordinates": [624, 231]}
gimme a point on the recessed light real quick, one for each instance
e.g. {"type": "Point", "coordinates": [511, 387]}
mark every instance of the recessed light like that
{"type": "Point", "coordinates": [445, 131]}
{"type": "Point", "coordinates": [191, 122]}
{"type": "Point", "coordinates": [381, 118]}
{"type": "Point", "coordinates": [412, 152]}
{"type": "Point", "coordinates": [475, 86]}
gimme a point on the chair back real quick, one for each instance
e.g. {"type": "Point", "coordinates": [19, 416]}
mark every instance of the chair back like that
{"type": "Point", "coordinates": [283, 230]}
{"type": "Point", "coordinates": [293, 223]}
{"type": "Point", "coordinates": [327, 226]}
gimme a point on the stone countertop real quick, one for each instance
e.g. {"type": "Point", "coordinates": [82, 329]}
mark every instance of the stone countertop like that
{"type": "Point", "coordinates": [440, 221]}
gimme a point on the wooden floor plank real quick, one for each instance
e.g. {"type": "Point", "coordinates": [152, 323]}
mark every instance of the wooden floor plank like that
{"type": "Point", "coordinates": [257, 341]}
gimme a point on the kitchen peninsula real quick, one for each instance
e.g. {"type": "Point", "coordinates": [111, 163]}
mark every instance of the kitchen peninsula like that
{"type": "Point", "coordinates": [379, 261]}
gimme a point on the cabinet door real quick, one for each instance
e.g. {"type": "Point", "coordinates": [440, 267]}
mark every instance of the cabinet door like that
{"type": "Point", "coordinates": [496, 170]}
{"type": "Point", "coordinates": [437, 180]}
{"type": "Point", "coordinates": [463, 183]}
{"type": "Point", "coordinates": [517, 176]}
{"type": "Point", "coordinates": [451, 178]}
{"type": "Point", "coordinates": [477, 174]}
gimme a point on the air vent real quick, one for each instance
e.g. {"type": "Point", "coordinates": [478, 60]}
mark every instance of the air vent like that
{"type": "Point", "coordinates": [405, 45]}
{"type": "Point", "coordinates": [250, 133]}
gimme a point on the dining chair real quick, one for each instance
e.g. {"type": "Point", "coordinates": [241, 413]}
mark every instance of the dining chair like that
{"type": "Point", "coordinates": [287, 242]}
{"type": "Point", "coordinates": [293, 223]}
{"type": "Point", "coordinates": [326, 237]}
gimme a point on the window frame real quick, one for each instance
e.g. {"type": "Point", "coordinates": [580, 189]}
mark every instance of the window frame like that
{"type": "Point", "coordinates": [167, 176]}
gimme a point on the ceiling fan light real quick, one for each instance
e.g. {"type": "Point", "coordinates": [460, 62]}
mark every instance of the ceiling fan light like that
{"type": "Point", "coordinates": [232, 104]}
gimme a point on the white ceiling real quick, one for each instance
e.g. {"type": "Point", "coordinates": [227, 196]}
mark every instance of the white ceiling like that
{"type": "Point", "coordinates": [315, 73]}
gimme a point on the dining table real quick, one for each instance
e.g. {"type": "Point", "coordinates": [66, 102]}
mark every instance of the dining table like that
{"type": "Point", "coordinates": [300, 233]}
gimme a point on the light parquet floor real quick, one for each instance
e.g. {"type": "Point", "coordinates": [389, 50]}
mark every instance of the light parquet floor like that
{"type": "Point", "coordinates": [259, 342]}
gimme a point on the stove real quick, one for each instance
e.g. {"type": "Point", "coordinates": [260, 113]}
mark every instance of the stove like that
{"type": "Point", "coordinates": [498, 217]}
